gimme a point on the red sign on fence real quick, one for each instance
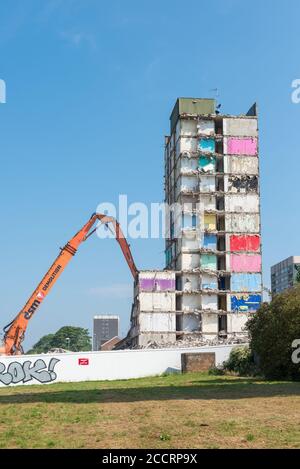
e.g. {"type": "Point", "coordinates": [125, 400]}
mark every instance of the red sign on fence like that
{"type": "Point", "coordinates": [83, 361]}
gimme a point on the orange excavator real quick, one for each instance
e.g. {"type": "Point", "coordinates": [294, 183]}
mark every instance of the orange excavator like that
{"type": "Point", "coordinates": [14, 332]}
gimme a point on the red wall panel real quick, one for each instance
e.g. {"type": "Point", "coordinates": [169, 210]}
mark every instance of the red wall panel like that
{"type": "Point", "coordinates": [244, 243]}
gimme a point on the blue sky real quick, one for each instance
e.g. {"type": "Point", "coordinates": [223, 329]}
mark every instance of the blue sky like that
{"type": "Point", "coordinates": [90, 87]}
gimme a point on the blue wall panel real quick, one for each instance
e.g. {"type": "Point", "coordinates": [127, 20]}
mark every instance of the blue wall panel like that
{"type": "Point", "coordinates": [210, 241]}
{"type": "Point", "coordinates": [207, 145]}
{"type": "Point", "coordinates": [246, 282]}
{"type": "Point", "coordinates": [245, 303]}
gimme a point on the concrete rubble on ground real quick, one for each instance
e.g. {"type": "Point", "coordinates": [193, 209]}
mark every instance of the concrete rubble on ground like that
{"type": "Point", "coordinates": [188, 342]}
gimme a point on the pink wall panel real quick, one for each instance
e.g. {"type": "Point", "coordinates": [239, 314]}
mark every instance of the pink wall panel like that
{"type": "Point", "coordinates": [242, 146]}
{"type": "Point", "coordinates": [245, 263]}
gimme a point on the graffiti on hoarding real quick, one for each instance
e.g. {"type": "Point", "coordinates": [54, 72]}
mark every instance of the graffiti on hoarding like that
{"type": "Point", "coordinates": [17, 372]}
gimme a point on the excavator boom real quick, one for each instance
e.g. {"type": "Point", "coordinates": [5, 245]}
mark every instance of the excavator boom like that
{"type": "Point", "coordinates": [15, 331]}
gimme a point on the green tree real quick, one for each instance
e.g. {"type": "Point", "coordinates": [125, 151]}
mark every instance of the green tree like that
{"type": "Point", "coordinates": [43, 345]}
{"type": "Point", "coordinates": [241, 361]}
{"type": "Point", "coordinates": [79, 339]}
{"type": "Point", "coordinates": [272, 330]}
{"type": "Point", "coordinates": [71, 338]}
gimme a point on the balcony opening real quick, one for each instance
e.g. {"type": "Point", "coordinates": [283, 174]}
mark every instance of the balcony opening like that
{"type": "Point", "coordinates": [219, 147]}
{"type": "Point", "coordinates": [178, 283]}
{"type": "Point", "coordinates": [221, 264]}
{"type": "Point", "coordinates": [221, 222]}
{"type": "Point", "coordinates": [220, 183]}
{"type": "Point", "coordinates": [222, 326]}
{"type": "Point", "coordinates": [178, 323]}
{"type": "Point", "coordinates": [219, 125]}
{"type": "Point", "coordinates": [220, 202]}
{"type": "Point", "coordinates": [178, 303]}
{"type": "Point", "coordinates": [222, 302]}
{"type": "Point", "coordinates": [224, 283]}
{"type": "Point", "coordinates": [221, 243]}
{"type": "Point", "coordinates": [220, 165]}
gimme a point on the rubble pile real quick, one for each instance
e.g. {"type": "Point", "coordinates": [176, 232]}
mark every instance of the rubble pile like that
{"type": "Point", "coordinates": [197, 342]}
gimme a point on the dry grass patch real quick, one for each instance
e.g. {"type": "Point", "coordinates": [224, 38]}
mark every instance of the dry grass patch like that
{"type": "Point", "coordinates": [175, 411]}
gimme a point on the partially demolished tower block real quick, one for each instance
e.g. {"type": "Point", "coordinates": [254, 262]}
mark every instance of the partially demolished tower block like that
{"type": "Point", "coordinates": [212, 281]}
{"type": "Point", "coordinates": [213, 241]}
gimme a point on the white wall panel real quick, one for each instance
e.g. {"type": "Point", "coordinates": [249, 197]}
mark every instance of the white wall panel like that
{"type": "Point", "coordinates": [165, 322]}
{"type": "Point", "coordinates": [235, 223]}
{"type": "Point", "coordinates": [240, 127]}
{"type": "Point", "coordinates": [241, 164]}
{"type": "Point", "coordinates": [242, 203]}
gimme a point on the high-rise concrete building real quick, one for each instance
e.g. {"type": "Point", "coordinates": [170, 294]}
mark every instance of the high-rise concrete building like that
{"type": "Point", "coordinates": [213, 241]}
{"type": "Point", "coordinates": [212, 281]}
{"type": "Point", "coordinates": [105, 327]}
{"type": "Point", "coordinates": [284, 274]}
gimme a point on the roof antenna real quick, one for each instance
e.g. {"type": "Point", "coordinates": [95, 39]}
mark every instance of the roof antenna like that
{"type": "Point", "coordinates": [216, 96]}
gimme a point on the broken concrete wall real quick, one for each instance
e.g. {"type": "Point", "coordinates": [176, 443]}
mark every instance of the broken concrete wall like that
{"type": "Point", "coordinates": [236, 323]}
{"type": "Point", "coordinates": [157, 301]}
{"type": "Point", "coordinates": [188, 184]}
{"type": "Point", "coordinates": [206, 127]}
{"type": "Point", "coordinates": [241, 164]}
{"type": "Point", "coordinates": [190, 301]}
{"type": "Point", "coordinates": [157, 322]}
{"type": "Point", "coordinates": [207, 183]}
{"type": "Point", "coordinates": [208, 201]}
{"type": "Point", "coordinates": [209, 302]}
{"type": "Point", "coordinates": [146, 338]}
{"type": "Point", "coordinates": [189, 241]}
{"type": "Point", "coordinates": [189, 164]}
{"type": "Point", "coordinates": [245, 203]}
{"type": "Point", "coordinates": [209, 282]}
{"type": "Point", "coordinates": [189, 282]}
{"type": "Point", "coordinates": [190, 323]}
{"type": "Point", "coordinates": [186, 144]}
{"type": "Point", "coordinates": [209, 324]}
{"type": "Point", "coordinates": [248, 223]}
{"type": "Point", "coordinates": [187, 127]}
{"type": "Point", "coordinates": [154, 310]}
{"type": "Point", "coordinates": [242, 184]}
{"type": "Point", "coordinates": [188, 261]}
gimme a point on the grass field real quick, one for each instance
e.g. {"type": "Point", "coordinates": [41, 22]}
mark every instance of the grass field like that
{"type": "Point", "coordinates": [175, 411]}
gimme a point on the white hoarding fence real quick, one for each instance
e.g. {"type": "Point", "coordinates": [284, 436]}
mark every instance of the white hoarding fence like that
{"type": "Point", "coordinates": [96, 366]}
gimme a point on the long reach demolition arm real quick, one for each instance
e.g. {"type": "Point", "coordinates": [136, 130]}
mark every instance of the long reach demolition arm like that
{"type": "Point", "coordinates": [15, 331]}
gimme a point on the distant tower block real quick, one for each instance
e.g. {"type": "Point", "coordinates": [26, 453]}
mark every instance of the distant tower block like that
{"type": "Point", "coordinates": [105, 327]}
{"type": "Point", "coordinates": [285, 274]}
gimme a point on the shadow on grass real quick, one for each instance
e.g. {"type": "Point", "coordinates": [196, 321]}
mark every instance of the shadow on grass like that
{"type": "Point", "coordinates": [200, 390]}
